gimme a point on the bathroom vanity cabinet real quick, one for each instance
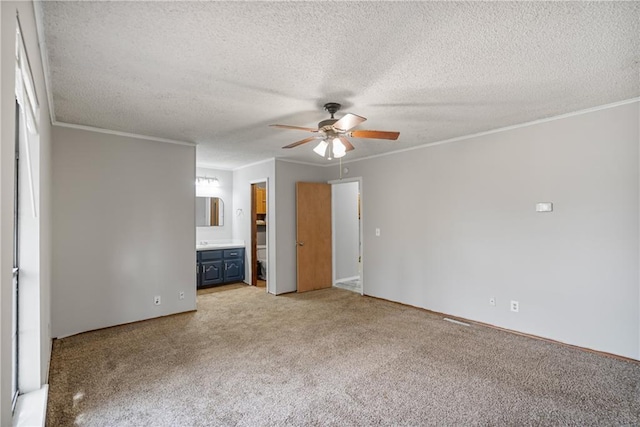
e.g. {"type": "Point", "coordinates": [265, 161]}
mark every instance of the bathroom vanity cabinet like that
{"type": "Point", "coordinates": [220, 266]}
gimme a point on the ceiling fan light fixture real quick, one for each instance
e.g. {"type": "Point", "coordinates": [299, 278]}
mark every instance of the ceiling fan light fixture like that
{"type": "Point", "coordinates": [339, 150]}
{"type": "Point", "coordinates": [321, 148]}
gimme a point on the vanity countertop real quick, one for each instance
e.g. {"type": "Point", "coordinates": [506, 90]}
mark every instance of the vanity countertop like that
{"type": "Point", "coordinates": [219, 244]}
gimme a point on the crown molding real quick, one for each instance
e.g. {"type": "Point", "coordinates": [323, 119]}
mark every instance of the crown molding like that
{"type": "Point", "coordinates": [498, 130]}
{"type": "Point", "coordinates": [301, 162]}
{"type": "Point", "coordinates": [204, 166]}
{"type": "Point", "coordinates": [125, 134]}
{"type": "Point", "coordinates": [255, 163]}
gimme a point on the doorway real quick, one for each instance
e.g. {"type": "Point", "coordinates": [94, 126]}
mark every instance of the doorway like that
{"type": "Point", "coordinates": [259, 218]}
{"type": "Point", "coordinates": [347, 234]}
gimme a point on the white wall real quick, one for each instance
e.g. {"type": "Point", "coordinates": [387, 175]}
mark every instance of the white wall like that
{"type": "Point", "coordinates": [346, 230]}
{"type": "Point", "coordinates": [242, 180]}
{"type": "Point", "coordinates": [458, 226]}
{"type": "Point", "coordinates": [124, 229]}
{"type": "Point", "coordinates": [287, 174]}
{"type": "Point", "coordinates": [39, 338]}
{"type": "Point", "coordinates": [224, 192]}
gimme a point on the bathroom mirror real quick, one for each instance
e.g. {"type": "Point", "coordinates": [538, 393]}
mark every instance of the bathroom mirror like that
{"type": "Point", "coordinates": [209, 212]}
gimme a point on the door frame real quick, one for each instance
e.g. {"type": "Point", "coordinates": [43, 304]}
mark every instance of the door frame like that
{"type": "Point", "coordinates": [357, 179]}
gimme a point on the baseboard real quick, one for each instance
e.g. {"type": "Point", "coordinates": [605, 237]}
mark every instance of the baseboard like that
{"type": "Point", "coordinates": [127, 323]}
{"type": "Point", "coordinates": [346, 279]}
{"type": "Point", "coordinates": [549, 340]}
{"type": "Point", "coordinates": [522, 334]}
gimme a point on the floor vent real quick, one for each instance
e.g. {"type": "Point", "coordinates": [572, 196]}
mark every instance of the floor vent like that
{"type": "Point", "coordinates": [457, 322]}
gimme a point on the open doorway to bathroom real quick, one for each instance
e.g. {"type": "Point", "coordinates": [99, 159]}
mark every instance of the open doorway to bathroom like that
{"type": "Point", "coordinates": [259, 234]}
{"type": "Point", "coordinates": [347, 235]}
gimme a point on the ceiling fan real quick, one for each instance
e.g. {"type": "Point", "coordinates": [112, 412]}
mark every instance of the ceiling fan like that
{"type": "Point", "coordinates": [333, 133]}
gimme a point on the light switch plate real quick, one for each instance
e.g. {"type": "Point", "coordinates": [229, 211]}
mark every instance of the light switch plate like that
{"type": "Point", "coordinates": [377, 232]}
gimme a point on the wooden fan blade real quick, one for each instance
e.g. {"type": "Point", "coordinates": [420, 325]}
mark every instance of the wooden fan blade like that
{"type": "Point", "coordinates": [303, 141]}
{"type": "Point", "coordinates": [346, 143]}
{"type": "Point", "coordinates": [348, 121]}
{"type": "Point", "coordinates": [294, 128]}
{"type": "Point", "coordinates": [374, 134]}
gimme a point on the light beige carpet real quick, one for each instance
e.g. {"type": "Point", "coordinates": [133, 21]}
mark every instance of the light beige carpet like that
{"type": "Point", "coordinates": [329, 357]}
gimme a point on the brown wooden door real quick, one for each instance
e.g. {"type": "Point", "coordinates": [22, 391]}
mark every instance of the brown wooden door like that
{"type": "Point", "coordinates": [313, 216]}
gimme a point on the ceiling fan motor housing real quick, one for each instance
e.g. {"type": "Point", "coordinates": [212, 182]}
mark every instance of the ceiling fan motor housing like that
{"type": "Point", "coordinates": [332, 107]}
{"type": "Point", "coordinates": [326, 124]}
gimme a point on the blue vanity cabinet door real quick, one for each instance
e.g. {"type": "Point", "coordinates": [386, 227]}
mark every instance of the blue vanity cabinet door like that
{"type": "Point", "coordinates": [233, 265]}
{"type": "Point", "coordinates": [212, 273]}
{"type": "Point", "coordinates": [233, 270]}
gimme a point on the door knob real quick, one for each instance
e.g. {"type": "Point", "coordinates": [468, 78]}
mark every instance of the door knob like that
{"type": "Point", "coordinates": [301, 243]}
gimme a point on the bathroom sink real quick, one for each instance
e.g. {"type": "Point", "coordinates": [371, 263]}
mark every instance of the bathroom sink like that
{"type": "Point", "coordinates": [219, 244]}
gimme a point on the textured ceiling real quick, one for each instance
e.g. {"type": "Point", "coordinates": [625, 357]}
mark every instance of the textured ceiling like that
{"type": "Point", "coordinates": [218, 73]}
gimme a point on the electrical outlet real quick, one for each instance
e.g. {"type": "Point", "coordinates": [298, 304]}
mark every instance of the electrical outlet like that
{"type": "Point", "coordinates": [181, 295]}
{"type": "Point", "coordinates": [377, 232]}
{"type": "Point", "coordinates": [492, 301]}
{"type": "Point", "coordinates": [157, 300]}
{"type": "Point", "coordinates": [515, 306]}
